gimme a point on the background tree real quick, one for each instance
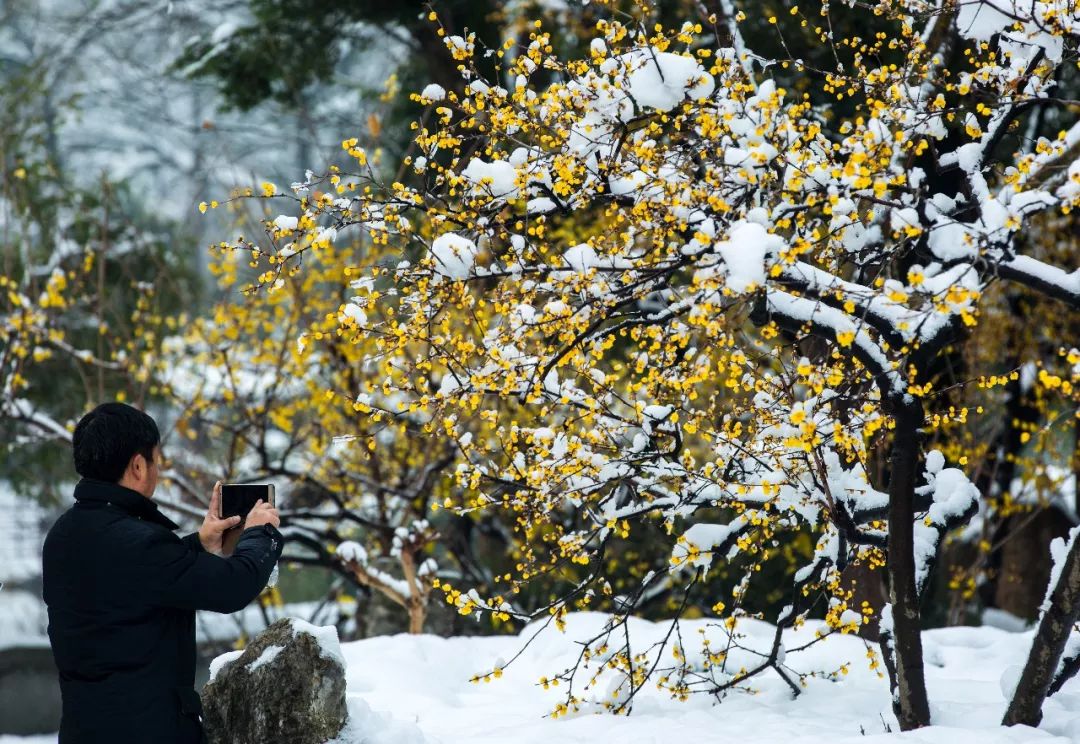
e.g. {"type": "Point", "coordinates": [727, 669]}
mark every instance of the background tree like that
{"type": "Point", "coordinates": [786, 279]}
{"type": "Point", "coordinates": [73, 310]}
{"type": "Point", "coordinates": [267, 385]}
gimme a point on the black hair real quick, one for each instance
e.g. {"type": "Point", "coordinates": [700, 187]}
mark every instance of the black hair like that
{"type": "Point", "coordinates": [108, 437]}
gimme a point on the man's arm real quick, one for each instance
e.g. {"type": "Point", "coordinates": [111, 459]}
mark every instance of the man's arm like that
{"type": "Point", "coordinates": [193, 542]}
{"type": "Point", "coordinates": [170, 572]}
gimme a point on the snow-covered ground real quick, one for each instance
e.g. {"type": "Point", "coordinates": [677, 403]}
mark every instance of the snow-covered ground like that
{"type": "Point", "coordinates": [22, 529]}
{"type": "Point", "coordinates": [416, 690]}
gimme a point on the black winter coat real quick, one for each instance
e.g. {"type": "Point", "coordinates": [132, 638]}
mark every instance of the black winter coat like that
{"type": "Point", "coordinates": [122, 591]}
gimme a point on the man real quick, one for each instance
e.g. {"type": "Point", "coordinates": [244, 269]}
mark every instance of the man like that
{"type": "Point", "coordinates": [122, 589]}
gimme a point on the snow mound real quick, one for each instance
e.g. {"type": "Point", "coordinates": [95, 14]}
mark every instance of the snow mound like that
{"type": "Point", "coordinates": [366, 726]}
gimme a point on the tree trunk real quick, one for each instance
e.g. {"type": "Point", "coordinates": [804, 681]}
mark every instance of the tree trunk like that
{"type": "Point", "coordinates": [1014, 585]}
{"type": "Point", "coordinates": [1076, 464]}
{"type": "Point", "coordinates": [1048, 644]}
{"type": "Point", "coordinates": [1025, 561]}
{"type": "Point", "coordinates": [864, 582]}
{"type": "Point", "coordinates": [910, 702]}
{"type": "Point", "coordinates": [417, 615]}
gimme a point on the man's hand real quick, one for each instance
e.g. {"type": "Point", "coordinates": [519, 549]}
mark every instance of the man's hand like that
{"type": "Point", "coordinates": [213, 526]}
{"type": "Point", "coordinates": [262, 513]}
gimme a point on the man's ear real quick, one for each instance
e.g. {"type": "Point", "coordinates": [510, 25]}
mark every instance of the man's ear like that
{"type": "Point", "coordinates": [133, 463]}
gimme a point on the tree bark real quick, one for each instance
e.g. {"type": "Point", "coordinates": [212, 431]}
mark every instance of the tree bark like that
{"type": "Point", "coordinates": [910, 702]}
{"type": "Point", "coordinates": [417, 615]}
{"type": "Point", "coordinates": [1025, 560]}
{"type": "Point", "coordinates": [1048, 645]}
{"type": "Point", "coordinates": [865, 584]}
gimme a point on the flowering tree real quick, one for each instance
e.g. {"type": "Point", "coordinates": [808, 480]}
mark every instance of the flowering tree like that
{"type": "Point", "coordinates": [695, 285]}
{"type": "Point", "coordinates": [271, 384]}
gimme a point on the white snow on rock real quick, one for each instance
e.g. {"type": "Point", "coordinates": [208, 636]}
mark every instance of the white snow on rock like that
{"type": "Point", "coordinates": [326, 636]}
{"type": "Point", "coordinates": [267, 656]}
{"type": "Point", "coordinates": [1004, 620]}
{"type": "Point", "coordinates": [220, 662]}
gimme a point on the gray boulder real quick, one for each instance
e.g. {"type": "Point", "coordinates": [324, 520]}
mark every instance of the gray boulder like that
{"type": "Point", "coordinates": [29, 691]}
{"type": "Point", "coordinates": [287, 686]}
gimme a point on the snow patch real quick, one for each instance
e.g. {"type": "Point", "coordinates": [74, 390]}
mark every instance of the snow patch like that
{"type": "Point", "coordinates": [495, 178]}
{"type": "Point", "coordinates": [662, 80]}
{"type": "Point", "coordinates": [433, 92]}
{"type": "Point", "coordinates": [267, 656]}
{"type": "Point", "coordinates": [220, 662]}
{"type": "Point", "coordinates": [285, 222]}
{"type": "Point", "coordinates": [325, 636]}
{"type": "Point", "coordinates": [454, 255]}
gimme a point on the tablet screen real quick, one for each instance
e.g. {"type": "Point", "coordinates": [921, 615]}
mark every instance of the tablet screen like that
{"type": "Point", "coordinates": [237, 499]}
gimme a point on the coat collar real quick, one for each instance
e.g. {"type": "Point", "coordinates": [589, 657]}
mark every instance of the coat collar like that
{"type": "Point", "coordinates": [131, 501]}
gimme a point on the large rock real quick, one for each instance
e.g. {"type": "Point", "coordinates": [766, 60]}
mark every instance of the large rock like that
{"type": "Point", "coordinates": [287, 686]}
{"type": "Point", "coordinates": [29, 691]}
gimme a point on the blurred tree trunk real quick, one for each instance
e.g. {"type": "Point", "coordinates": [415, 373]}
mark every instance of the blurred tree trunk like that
{"type": "Point", "coordinates": [1025, 561]}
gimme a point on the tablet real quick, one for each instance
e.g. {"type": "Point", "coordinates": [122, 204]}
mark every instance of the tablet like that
{"type": "Point", "coordinates": [237, 499]}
